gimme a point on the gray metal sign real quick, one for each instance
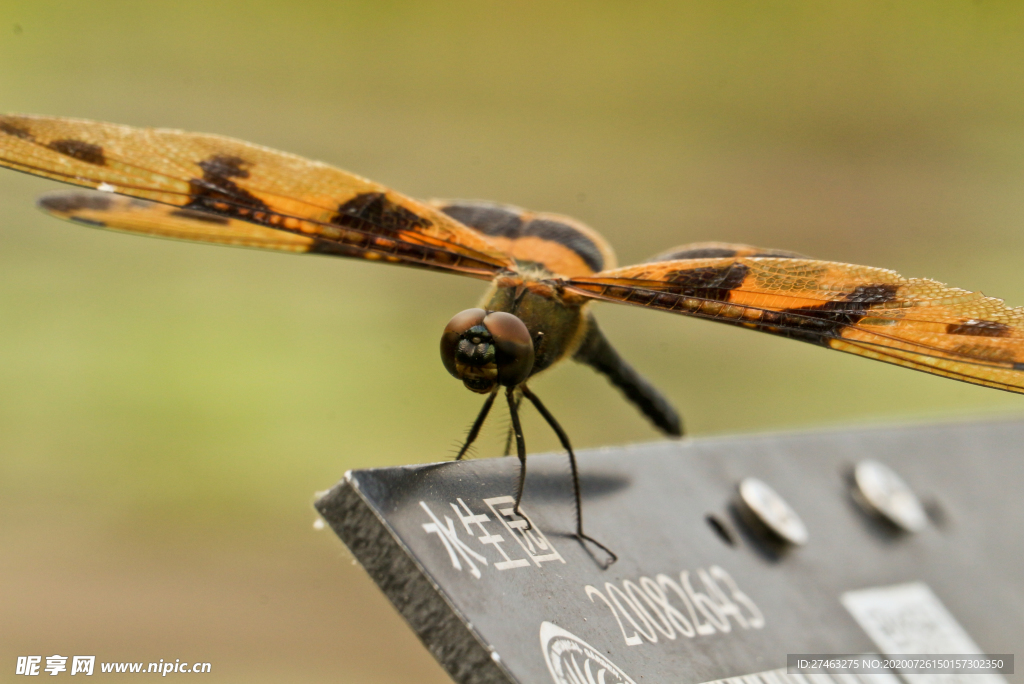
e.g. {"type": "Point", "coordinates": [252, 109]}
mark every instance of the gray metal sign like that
{"type": "Point", "coordinates": [716, 577]}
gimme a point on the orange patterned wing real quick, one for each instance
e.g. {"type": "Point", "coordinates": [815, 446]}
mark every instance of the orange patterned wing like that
{"type": "Point", "coordinates": [142, 217]}
{"type": "Point", "coordinates": [245, 183]}
{"type": "Point", "coordinates": [873, 312]}
{"type": "Point", "coordinates": [715, 250]}
{"type": "Point", "coordinates": [558, 244]}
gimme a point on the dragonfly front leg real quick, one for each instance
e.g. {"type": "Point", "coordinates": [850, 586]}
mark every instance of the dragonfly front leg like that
{"type": "Point", "coordinates": [477, 424]}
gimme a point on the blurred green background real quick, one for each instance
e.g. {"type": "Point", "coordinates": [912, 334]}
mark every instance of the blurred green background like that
{"type": "Point", "coordinates": [168, 410]}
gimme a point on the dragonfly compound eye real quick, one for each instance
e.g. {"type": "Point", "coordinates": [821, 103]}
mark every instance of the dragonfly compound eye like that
{"type": "Point", "coordinates": [487, 349]}
{"type": "Point", "coordinates": [513, 345]}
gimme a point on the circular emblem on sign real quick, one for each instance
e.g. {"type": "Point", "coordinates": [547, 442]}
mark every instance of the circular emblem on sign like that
{"type": "Point", "coordinates": [572, 660]}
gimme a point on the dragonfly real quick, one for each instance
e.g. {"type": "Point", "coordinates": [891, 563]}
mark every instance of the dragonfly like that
{"type": "Point", "coordinates": [544, 269]}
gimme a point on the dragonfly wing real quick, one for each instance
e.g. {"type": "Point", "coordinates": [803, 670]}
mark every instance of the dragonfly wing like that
{"type": "Point", "coordinates": [143, 217]}
{"type": "Point", "coordinates": [247, 183]}
{"type": "Point", "coordinates": [872, 312]}
{"type": "Point", "coordinates": [720, 250]}
{"type": "Point", "coordinates": [559, 244]}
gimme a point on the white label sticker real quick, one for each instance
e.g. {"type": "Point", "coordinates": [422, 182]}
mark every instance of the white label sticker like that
{"type": "Point", "coordinates": [909, 619]}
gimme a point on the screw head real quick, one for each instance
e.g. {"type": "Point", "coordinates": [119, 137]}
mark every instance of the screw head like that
{"type": "Point", "coordinates": [772, 511]}
{"type": "Point", "coordinates": [885, 493]}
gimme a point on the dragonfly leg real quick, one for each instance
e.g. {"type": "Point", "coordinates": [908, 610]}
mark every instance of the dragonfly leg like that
{"type": "Point", "coordinates": [517, 428]}
{"type": "Point", "coordinates": [511, 432]}
{"type": "Point", "coordinates": [564, 439]}
{"type": "Point", "coordinates": [477, 424]}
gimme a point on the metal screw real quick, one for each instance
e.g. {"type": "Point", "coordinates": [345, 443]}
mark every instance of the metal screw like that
{"type": "Point", "coordinates": [885, 493]}
{"type": "Point", "coordinates": [772, 511]}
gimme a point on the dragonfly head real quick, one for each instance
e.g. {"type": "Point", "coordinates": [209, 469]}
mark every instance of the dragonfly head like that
{"type": "Point", "coordinates": [485, 349]}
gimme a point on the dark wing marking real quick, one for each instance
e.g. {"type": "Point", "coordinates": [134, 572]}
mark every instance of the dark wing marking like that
{"type": "Point", "coordinates": [873, 312]}
{"type": "Point", "coordinates": [235, 180]}
{"type": "Point", "coordinates": [720, 250]}
{"type": "Point", "coordinates": [559, 244]}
